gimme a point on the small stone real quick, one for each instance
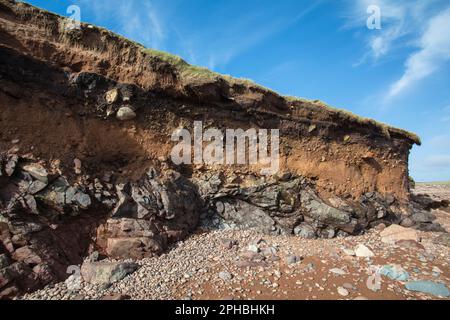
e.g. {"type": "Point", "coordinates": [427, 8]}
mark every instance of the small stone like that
{"type": "Point", "coordinates": [338, 271]}
{"type": "Point", "coordinates": [292, 259]}
{"type": "Point", "coordinates": [253, 248]}
{"type": "Point", "coordinates": [116, 297]}
{"type": "Point", "coordinates": [36, 186]}
{"type": "Point", "coordinates": [125, 114]}
{"type": "Point", "coordinates": [225, 276]}
{"type": "Point", "coordinates": [342, 291]}
{"type": "Point", "coordinates": [77, 165]}
{"type": "Point", "coordinates": [11, 165]}
{"type": "Point", "coordinates": [349, 252]}
{"type": "Point", "coordinates": [363, 252]}
{"type": "Point", "coordinates": [112, 96]}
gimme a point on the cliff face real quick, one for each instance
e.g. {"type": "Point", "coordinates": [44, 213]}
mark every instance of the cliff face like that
{"type": "Point", "coordinates": [67, 159]}
{"type": "Point", "coordinates": [344, 153]}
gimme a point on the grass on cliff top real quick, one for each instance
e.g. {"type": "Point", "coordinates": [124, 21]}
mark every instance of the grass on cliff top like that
{"type": "Point", "coordinates": [191, 73]}
{"type": "Point", "coordinates": [385, 128]}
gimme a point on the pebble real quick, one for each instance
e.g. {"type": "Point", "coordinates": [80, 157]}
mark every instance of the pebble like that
{"type": "Point", "coordinates": [342, 291]}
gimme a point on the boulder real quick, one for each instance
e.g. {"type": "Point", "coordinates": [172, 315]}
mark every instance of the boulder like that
{"type": "Point", "coordinates": [135, 248]}
{"type": "Point", "coordinates": [395, 233]}
{"type": "Point", "coordinates": [423, 217]}
{"type": "Point", "coordinates": [106, 273]}
{"type": "Point", "coordinates": [428, 287]}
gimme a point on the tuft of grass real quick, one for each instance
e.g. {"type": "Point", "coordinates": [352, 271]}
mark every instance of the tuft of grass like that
{"type": "Point", "coordinates": [194, 74]}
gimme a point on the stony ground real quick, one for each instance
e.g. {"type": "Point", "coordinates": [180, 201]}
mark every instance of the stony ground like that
{"type": "Point", "coordinates": [245, 265]}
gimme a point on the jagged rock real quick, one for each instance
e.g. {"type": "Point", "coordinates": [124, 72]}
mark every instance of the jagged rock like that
{"type": "Point", "coordinates": [4, 261]}
{"type": "Point", "coordinates": [136, 248]}
{"type": "Point", "coordinates": [423, 217]}
{"type": "Point", "coordinates": [318, 210]}
{"type": "Point", "coordinates": [151, 213]}
{"type": "Point", "coordinates": [247, 216]}
{"type": "Point", "coordinates": [125, 114]}
{"type": "Point", "coordinates": [395, 233]}
{"type": "Point", "coordinates": [11, 165]}
{"type": "Point", "coordinates": [27, 255]}
{"type": "Point", "coordinates": [36, 186]}
{"type": "Point", "coordinates": [112, 96]}
{"type": "Point", "coordinates": [82, 199]}
{"type": "Point", "coordinates": [37, 171]}
{"type": "Point", "coordinates": [106, 273]}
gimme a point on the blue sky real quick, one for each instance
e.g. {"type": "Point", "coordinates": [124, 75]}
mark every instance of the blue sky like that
{"type": "Point", "coordinates": [398, 74]}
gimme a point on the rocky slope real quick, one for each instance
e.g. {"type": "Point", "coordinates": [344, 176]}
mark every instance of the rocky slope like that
{"type": "Point", "coordinates": [86, 119]}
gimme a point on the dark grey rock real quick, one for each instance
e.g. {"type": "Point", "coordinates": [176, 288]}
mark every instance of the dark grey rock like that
{"type": "Point", "coordinates": [306, 231]}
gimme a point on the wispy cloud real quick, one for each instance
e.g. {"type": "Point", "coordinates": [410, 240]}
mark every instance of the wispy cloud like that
{"type": "Point", "coordinates": [414, 24]}
{"type": "Point", "coordinates": [395, 16]}
{"type": "Point", "coordinates": [433, 54]}
{"type": "Point", "coordinates": [134, 19]}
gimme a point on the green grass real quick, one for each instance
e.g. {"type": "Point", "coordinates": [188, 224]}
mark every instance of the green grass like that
{"type": "Point", "coordinates": [440, 183]}
{"type": "Point", "coordinates": [192, 73]}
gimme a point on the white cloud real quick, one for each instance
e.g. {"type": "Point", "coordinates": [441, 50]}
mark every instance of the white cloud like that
{"type": "Point", "coordinates": [395, 16]}
{"type": "Point", "coordinates": [434, 53]}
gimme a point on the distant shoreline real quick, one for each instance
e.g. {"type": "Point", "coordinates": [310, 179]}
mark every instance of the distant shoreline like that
{"type": "Point", "coordinates": [445, 183]}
